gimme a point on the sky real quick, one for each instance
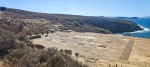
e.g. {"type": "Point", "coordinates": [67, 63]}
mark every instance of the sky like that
{"type": "Point", "coordinates": [109, 8]}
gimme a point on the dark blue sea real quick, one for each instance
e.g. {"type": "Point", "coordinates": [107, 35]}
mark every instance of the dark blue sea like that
{"type": "Point", "coordinates": [145, 24]}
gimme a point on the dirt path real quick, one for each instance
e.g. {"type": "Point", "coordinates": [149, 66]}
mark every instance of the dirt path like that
{"type": "Point", "coordinates": [127, 50]}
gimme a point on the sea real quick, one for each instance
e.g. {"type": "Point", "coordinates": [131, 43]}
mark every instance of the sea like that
{"type": "Point", "coordinates": [143, 23]}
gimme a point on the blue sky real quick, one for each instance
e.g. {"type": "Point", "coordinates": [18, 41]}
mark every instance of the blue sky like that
{"type": "Point", "coordinates": [127, 8]}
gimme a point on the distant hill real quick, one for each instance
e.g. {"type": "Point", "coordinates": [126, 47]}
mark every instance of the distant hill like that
{"type": "Point", "coordinates": [24, 21]}
{"type": "Point", "coordinates": [127, 17]}
{"type": "Point", "coordinates": [146, 17]}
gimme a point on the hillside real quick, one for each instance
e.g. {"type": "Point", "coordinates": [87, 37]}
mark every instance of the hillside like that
{"type": "Point", "coordinates": [67, 45]}
{"type": "Point", "coordinates": [18, 51]}
{"type": "Point", "coordinates": [21, 20]}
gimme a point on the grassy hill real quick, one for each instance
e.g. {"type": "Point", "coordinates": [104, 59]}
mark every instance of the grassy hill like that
{"type": "Point", "coordinates": [42, 21]}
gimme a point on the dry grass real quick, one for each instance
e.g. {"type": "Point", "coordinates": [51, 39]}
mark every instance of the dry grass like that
{"type": "Point", "coordinates": [41, 58]}
{"type": "Point", "coordinates": [106, 48]}
{"type": "Point", "coordinates": [15, 53]}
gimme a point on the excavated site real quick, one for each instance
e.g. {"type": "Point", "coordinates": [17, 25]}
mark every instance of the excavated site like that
{"type": "Point", "coordinates": [100, 50]}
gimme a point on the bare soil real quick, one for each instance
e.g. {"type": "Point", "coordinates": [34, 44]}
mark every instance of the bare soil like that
{"type": "Point", "coordinates": [1, 64]}
{"type": "Point", "coordinates": [101, 50]}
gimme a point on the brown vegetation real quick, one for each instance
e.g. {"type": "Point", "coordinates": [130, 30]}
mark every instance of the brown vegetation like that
{"type": "Point", "coordinates": [15, 53]}
{"type": "Point", "coordinates": [68, 22]}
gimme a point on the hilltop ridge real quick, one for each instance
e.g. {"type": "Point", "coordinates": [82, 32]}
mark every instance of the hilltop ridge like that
{"type": "Point", "coordinates": [42, 21]}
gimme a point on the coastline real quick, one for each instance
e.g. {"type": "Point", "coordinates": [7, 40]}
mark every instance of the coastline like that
{"type": "Point", "coordinates": [145, 29]}
{"type": "Point", "coordinates": [139, 33]}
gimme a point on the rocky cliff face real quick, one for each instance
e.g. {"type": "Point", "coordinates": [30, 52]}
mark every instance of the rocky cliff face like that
{"type": "Point", "coordinates": [117, 25]}
{"type": "Point", "coordinates": [42, 21]}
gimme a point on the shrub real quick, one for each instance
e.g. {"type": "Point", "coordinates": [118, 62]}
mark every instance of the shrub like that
{"type": "Point", "coordinates": [7, 42]}
{"type": "Point", "coordinates": [52, 50]}
{"type": "Point", "coordinates": [46, 58]}
{"type": "Point", "coordinates": [18, 54]}
{"type": "Point", "coordinates": [23, 38]}
{"type": "Point", "coordinates": [15, 55]}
